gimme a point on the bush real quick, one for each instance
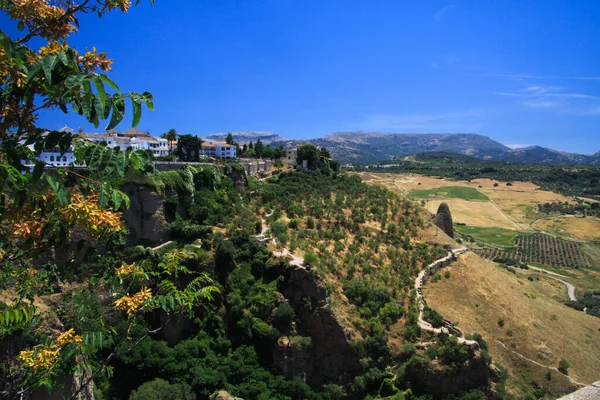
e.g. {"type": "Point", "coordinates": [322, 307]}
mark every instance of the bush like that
{"type": "Point", "coordinates": [563, 365]}
{"type": "Point", "coordinates": [284, 316]}
{"type": "Point", "coordinates": [160, 389]}
{"type": "Point", "coordinates": [300, 342]}
{"type": "Point", "coordinates": [509, 332]}
{"type": "Point", "coordinates": [500, 322]}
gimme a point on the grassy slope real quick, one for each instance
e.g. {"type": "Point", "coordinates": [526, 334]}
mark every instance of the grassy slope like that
{"type": "Point", "coordinates": [479, 292]}
{"type": "Point", "coordinates": [497, 236]}
{"type": "Point", "coordinates": [449, 192]}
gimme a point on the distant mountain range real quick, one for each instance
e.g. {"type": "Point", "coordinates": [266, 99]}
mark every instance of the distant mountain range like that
{"type": "Point", "coordinates": [363, 148]}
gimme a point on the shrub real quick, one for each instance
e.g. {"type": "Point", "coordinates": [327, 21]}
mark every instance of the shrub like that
{"type": "Point", "coordinates": [447, 274]}
{"type": "Point", "coordinates": [284, 316]}
{"type": "Point", "coordinates": [563, 365]}
{"type": "Point", "coordinates": [509, 332]}
{"type": "Point", "coordinates": [496, 184]}
{"type": "Point", "coordinates": [300, 342]}
{"type": "Point", "coordinates": [500, 322]}
{"type": "Point", "coordinates": [160, 389]}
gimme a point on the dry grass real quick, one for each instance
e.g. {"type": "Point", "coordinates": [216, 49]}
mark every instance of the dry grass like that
{"type": "Point", "coordinates": [474, 213]}
{"type": "Point", "coordinates": [571, 226]}
{"type": "Point", "coordinates": [480, 292]}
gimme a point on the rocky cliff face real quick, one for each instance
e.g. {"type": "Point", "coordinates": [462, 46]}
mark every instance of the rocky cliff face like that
{"type": "Point", "coordinates": [443, 219]}
{"type": "Point", "coordinates": [439, 380]}
{"type": "Point", "coordinates": [329, 357]}
{"type": "Point", "coordinates": [145, 217]}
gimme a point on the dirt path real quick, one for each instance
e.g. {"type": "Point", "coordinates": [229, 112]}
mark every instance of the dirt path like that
{"type": "Point", "coordinates": [160, 246]}
{"type": "Point", "coordinates": [540, 365]}
{"type": "Point", "coordinates": [421, 301]}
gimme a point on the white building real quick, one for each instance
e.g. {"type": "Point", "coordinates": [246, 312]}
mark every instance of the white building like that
{"type": "Point", "coordinates": [220, 150]}
{"type": "Point", "coordinates": [158, 146]}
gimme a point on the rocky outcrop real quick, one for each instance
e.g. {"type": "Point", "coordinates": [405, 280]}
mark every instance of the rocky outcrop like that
{"type": "Point", "coordinates": [222, 395]}
{"type": "Point", "coordinates": [443, 220]}
{"type": "Point", "coordinates": [435, 379]}
{"type": "Point", "coordinates": [145, 218]}
{"type": "Point", "coordinates": [329, 357]}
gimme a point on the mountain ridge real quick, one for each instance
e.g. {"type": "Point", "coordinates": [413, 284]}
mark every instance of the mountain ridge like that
{"type": "Point", "coordinates": [368, 147]}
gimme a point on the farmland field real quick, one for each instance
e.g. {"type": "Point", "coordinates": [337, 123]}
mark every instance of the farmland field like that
{"type": "Point", "coordinates": [542, 249]}
{"type": "Point", "coordinates": [449, 192]}
{"type": "Point", "coordinates": [570, 226]}
{"type": "Point", "coordinates": [497, 236]}
{"type": "Point", "coordinates": [474, 213]}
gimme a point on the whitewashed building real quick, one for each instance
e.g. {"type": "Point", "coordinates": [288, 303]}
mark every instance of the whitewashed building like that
{"type": "Point", "coordinates": [158, 146]}
{"type": "Point", "coordinates": [219, 150]}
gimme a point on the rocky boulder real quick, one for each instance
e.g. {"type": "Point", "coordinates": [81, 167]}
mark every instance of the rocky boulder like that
{"type": "Point", "coordinates": [443, 220]}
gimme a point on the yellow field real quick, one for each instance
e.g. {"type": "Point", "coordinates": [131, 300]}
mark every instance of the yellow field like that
{"type": "Point", "coordinates": [543, 330]}
{"type": "Point", "coordinates": [571, 226]}
{"type": "Point", "coordinates": [474, 213]}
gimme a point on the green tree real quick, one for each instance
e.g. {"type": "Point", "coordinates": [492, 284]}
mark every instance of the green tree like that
{"type": "Point", "coordinates": [308, 152]}
{"type": "Point", "coordinates": [171, 136]}
{"type": "Point", "coordinates": [159, 389]}
{"type": "Point", "coordinates": [324, 152]}
{"type": "Point", "coordinates": [229, 139]}
{"type": "Point", "coordinates": [188, 148]}
{"type": "Point", "coordinates": [259, 148]}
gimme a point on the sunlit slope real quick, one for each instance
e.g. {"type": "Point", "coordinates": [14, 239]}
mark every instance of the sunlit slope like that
{"type": "Point", "coordinates": [536, 326]}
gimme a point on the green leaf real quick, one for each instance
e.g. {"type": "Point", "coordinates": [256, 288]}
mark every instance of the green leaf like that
{"type": "Point", "coordinates": [149, 99]}
{"type": "Point", "coordinates": [37, 171]}
{"type": "Point", "coordinates": [134, 159]}
{"type": "Point", "coordinates": [137, 111]}
{"type": "Point", "coordinates": [100, 88]}
{"type": "Point", "coordinates": [109, 82]}
{"type": "Point", "coordinates": [65, 142]}
{"type": "Point", "coordinates": [63, 57]}
{"type": "Point", "coordinates": [62, 194]}
{"type": "Point", "coordinates": [104, 196]}
{"type": "Point", "coordinates": [48, 62]}
{"type": "Point", "coordinates": [52, 139]}
{"type": "Point", "coordinates": [118, 111]}
{"type": "Point", "coordinates": [74, 80]}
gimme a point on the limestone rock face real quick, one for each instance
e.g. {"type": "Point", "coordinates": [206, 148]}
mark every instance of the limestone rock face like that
{"type": "Point", "coordinates": [145, 218]}
{"type": "Point", "coordinates": [223, 395]}
{"type": "Point", "coordinates": [443, 219]}
{"type": "Point", "coordinates": [329, 357]}
{"type": "Point", "coordinates": [434, 379]}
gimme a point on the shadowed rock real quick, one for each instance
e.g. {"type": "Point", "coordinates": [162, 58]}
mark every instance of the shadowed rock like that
{"type": "Point", "coordinates": [443, 219]}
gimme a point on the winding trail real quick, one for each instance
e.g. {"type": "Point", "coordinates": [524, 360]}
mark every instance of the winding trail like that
{"type": "Point", "coordinates": [452, 255]}
{"type": "Point", "coordinates": [540, 365]}
{"type": "Point", "coordinates": [570, 287]}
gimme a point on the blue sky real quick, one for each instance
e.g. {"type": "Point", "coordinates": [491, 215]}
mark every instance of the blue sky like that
{"type": "Point", "coordinates": [522, 72]}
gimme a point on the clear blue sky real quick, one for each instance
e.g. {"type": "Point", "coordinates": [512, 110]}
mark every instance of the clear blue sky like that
{"type": "Point", "coordinates": [522, 72]}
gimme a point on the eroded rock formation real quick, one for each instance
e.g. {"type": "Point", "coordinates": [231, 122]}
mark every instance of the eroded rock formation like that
{"type": "Point", "coordinates": [145, 218]}
{"type": "Point", "coordinates": [329, 358]}
{"type": "Point", "coordinates": [443, 219]}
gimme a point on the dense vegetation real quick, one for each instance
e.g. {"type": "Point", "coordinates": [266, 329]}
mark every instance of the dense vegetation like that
{"type": "Point", "coordinates": [566, 179]}
{"type": "Point", "coordinates": [590, 303]}
{"type": "Point", "coordinates": [358, 239]}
